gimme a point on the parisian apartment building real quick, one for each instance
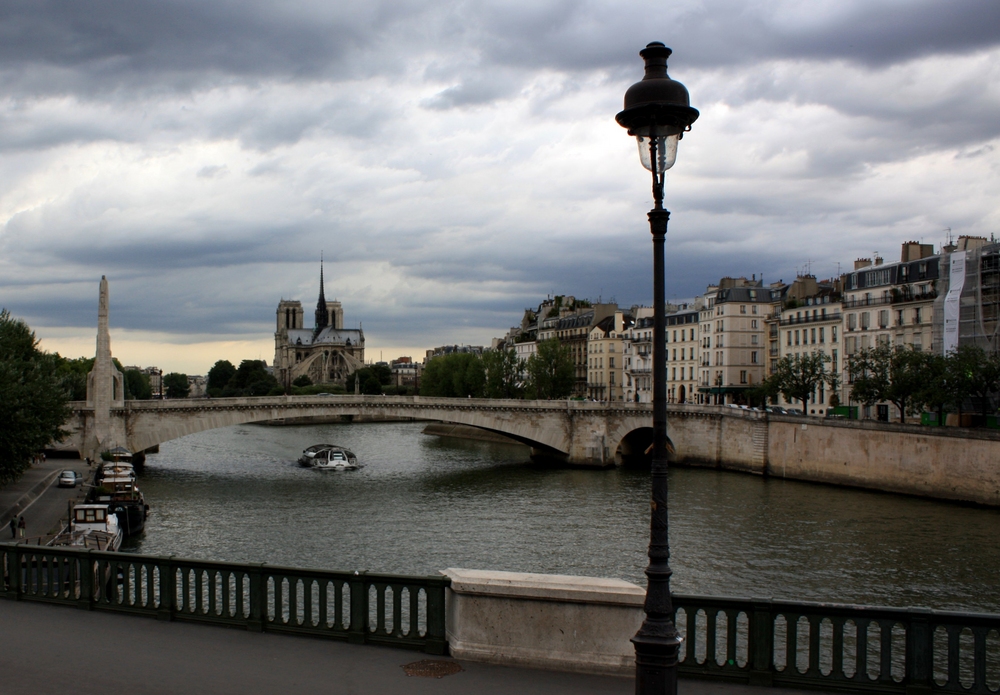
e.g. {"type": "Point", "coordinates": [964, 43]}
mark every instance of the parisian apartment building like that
{"type": "Point", "coordinates": [729, 339]}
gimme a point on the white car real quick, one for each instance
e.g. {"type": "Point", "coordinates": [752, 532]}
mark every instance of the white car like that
{"type": "Point", "coordinates": [69, 478]}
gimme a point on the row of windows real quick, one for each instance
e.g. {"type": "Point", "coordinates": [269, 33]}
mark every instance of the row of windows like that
{"type": "Point", "coordinates": [809, 336]}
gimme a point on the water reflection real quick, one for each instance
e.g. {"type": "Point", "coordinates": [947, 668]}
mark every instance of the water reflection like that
{"type": "Point", "coordinates": [423, 503]}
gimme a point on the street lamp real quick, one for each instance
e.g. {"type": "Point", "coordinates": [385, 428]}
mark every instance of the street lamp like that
{"type": "Point", "coordinates": [657, 112]}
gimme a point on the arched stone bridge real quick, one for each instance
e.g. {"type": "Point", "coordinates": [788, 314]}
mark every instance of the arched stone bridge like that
{"type": "Point", "coordinates": [577, 431]}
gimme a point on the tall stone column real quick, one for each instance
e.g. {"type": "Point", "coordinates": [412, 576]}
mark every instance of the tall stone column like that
{"type": "Point", "coordinates": [105, 388]}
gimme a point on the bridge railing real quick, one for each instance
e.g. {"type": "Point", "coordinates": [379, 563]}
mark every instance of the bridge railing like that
{"type": "Point", "coordinates": [838, 647]}
{"type": "Point", "coordinates": [359, 607]}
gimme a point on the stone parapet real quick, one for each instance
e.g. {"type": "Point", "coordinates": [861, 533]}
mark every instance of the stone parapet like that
{"type": "Point", "coordinates": [556, 622]}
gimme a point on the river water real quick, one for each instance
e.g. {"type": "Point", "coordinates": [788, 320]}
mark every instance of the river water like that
{"type": "Point", "coordinates": [423, 503]}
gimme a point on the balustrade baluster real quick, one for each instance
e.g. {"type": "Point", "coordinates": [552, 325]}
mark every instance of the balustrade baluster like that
{"type": "Point", "coordinates": [814, 625]}
{"type": "Point", "coordinates": [837, 645]}
{"type": "Point", "coordinates": [397, 610]}
{"type": "Point", "coordinates": [862, 647]}
{"type": "Point", "coordinates": [380, 609]}
{"type": "Point", "coordinates": [414, 629]}
{"type": "Point", "coordinates": [791, 643]}
{"type": "Point", "coordinates": [979, 665]}
{"type": "Point", "coordinates": [711, 616]}
{"type": "Point", "coordinates": [359, 610]}
{"type": "Point", "coordinates": [885, 647]}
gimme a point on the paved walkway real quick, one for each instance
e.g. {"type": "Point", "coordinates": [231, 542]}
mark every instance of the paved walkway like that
{"type": "Point", "coordinates": [59, 650]}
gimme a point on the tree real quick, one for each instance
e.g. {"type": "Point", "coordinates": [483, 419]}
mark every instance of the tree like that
{"type": "Point", "coordinates": [251, 379]}
{"type": "Point", "coordinates": [550, 371]}
{"type": "Point", "coordinates": [937, 388]}
{"type": "Point", "coordinates": [176, 385]}
{"type": "Point", "coordinates": [137, 386]}
{"type": "Point", "coordinates": [219, 376]}
{"type": "Point", "coordinates": [503, 374]}
{"type": "Point", "coordinates": [798, 376]}
{"type": "Point", "coordinates": [73, 374]}
{"type": "Point", "coordinates": [458, 375]}
{"type": "Point", "coordinates": [369, 380]}
{"type": "Point", "coordinates": [885, 373]}
{"type": "Point", "coordinates": [302, 380]}
{"type": "Point", "coordinates": [976, 373]}
{"type": "Point", "coordinates": [33, 397]}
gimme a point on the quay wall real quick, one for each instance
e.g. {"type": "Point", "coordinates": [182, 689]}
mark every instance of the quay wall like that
{"type": "Point", "coordinates": [948, 463]}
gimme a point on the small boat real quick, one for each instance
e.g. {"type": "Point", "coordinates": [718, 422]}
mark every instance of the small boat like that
{"type": "Point", "coordinates": [329, 457]}
{"type": "Point", "coordinates": [92, 526]}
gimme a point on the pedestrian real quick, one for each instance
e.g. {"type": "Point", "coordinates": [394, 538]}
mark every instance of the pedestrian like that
{"type": "Point", "coordinates": [21, 525]}
{"type": "Point", "coordinates": [13, 527]}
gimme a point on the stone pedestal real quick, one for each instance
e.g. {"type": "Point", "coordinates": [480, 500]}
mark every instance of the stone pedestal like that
{"type": "Point", "coordinates": [557, 622]}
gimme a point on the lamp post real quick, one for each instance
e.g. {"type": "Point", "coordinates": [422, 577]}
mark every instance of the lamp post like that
{"type": "Point", "coordinates": [657, 112]}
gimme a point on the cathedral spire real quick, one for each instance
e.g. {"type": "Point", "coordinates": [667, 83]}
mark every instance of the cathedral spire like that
{"type": "Point", "coordinates": [322, 318]}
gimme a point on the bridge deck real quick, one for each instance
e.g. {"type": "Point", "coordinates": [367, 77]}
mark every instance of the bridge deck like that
{"type": "Point", "coordinates": [55, 649]}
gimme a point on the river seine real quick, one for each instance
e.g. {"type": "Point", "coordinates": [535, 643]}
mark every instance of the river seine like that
{"type": "Point", "coordinates": [423, 503]}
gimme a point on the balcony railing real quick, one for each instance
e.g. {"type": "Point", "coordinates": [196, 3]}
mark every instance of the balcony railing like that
{"type": "Point", "coordinates": [794, 320]}
{"type": "Point", "coordinates": [894, 298]}
{"type": "Point", "coordinates": [358, 607]}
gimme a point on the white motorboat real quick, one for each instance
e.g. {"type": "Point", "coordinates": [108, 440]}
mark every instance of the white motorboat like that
{"type": "Point", "coordinates": [329, 457]}
{"type": "Point", "coordinates": [92, 526]}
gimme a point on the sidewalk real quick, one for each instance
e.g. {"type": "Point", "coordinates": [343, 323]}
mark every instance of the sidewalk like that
{"type": "Point", "coordinates": [59, 649]}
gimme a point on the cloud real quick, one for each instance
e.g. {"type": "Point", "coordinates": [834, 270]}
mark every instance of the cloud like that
{"type": "Point", "coordinates": [455, 162]}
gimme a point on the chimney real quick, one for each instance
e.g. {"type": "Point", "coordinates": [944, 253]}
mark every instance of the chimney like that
{"type": "Point", "coordinates": [862, 263]}
{"type": "Point", "coordinates": [878, 260]}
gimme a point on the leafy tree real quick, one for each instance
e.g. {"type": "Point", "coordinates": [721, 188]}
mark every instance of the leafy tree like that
{"type": "Point", "coordinates": [798, 376]}
{"type": "Point", "coordinates": [457, 375]}
{"type": "Point", "coordinates": [137, 386]}
{"type": "Point", "coordinates": [503, 374]}
{"type": "Point", "coordinates": [937, 388]}
{"type": "Point", "coordinates": [550, 371]}
{"type": "Point", "coordinates": [73, 374]}
{"type": "Point", "coordinates": [976, 373]}
{"type": "Point", "coordinates": [176, 385]}
{"type": "Point", "coordinates": [885, 373]}
{"type": "Point", "coordinates": [219, 376]}
{"type": "Point", "coordinates": [33, 397]}
{"type": "Point", "coordinates": [251, 379]}
{"type": "Point", "coordinates": [302, 380]}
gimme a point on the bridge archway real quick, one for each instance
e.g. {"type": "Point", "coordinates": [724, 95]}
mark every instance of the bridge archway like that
{"type": "Point", "coordinates": [635, 449]}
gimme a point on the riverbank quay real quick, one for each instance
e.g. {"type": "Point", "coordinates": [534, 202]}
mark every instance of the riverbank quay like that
{"type": "Point", "coordinates": [575, 625]}
{"type": "Point", "coordinates": [21, 494]}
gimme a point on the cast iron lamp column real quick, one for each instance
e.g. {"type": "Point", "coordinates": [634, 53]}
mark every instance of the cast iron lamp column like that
{"type": "Point", "coordinates": [657, 112]}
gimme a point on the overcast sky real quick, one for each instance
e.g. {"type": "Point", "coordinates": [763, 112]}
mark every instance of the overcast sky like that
{"type": "Point", "coordinates": [455, 162]}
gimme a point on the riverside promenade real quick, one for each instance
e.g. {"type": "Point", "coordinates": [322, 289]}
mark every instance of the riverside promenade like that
{"type": "Point", "coordinates": [56, 649]}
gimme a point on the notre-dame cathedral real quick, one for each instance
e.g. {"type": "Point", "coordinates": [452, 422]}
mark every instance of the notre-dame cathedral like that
{"type": "Point", "coordinates": [326, 353]}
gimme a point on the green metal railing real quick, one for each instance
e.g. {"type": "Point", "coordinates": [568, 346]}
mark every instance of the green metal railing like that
{"type": "Point", "coordinates": [838, 647]}
{"type": "Point", "coordinates": [359, 607]}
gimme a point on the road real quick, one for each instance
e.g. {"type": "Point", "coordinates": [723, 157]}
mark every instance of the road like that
{"type": "Point", "coordinates": [47, 514]}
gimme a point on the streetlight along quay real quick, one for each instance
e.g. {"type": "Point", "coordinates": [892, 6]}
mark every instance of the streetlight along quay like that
{"type": "Point", "coordinates": [657, 112]}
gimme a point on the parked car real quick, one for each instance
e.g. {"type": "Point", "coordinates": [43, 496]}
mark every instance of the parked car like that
{"type": "Point", "coordinates": [776, 409]}
{"type": "Point", "coordinates": [794, 411]}
{"type": "Point", "coordinates": [69, 479]}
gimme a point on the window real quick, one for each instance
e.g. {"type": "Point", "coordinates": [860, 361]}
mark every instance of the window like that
{"type": "Point", "coordinates": [753, 340]}
{"type": "Point", "coordinates": [916, 316]}
{"type": "Point", "coordinates": [866, 318]}
{"type": "Point", "coordinates": [753, 357]}
{"type": "Point", "coordinates": [753, 323]}
{"type": "Point", "coordinates": [611, 362]}
{"type": "Point", "coordinates": [883, 318]}
{"type": "Point", "coordinates": [852, 321]}
{"type": "Point", "coordinates": [754, 309]}
{"type": "Point", "coordinates": [821, 340]}
{"type": "Point", "coordinates": [743, 308]}
{"type": "Point", "coordinates": [796, 336]}
{"type": "Point", "coordinates": [743, 376]}
{"type": "Point", "coordinates": [674, 377]}
{"type": "Point", "coordinates": [789, 334]}
{"type": "Point", "coordinates": [675, 354]}
{"type": "Point", "coordinates": [812, 336]}
{"type": "Point", "coordinates": [833, 334]}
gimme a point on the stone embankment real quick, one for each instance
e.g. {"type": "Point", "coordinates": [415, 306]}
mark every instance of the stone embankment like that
{"type": "Point", "coordinates": [948, 463]}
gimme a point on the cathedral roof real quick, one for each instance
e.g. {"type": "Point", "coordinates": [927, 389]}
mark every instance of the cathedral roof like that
{"type": "Point", "coordinates": [330, 336]}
